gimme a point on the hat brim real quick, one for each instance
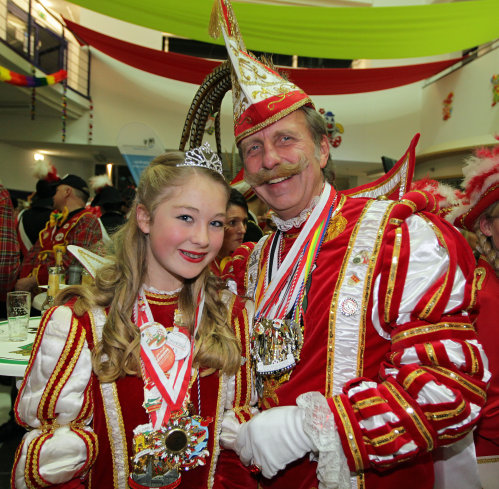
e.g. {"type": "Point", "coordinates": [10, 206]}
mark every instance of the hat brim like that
{"type": "Point", "coordinates": [468, 219]}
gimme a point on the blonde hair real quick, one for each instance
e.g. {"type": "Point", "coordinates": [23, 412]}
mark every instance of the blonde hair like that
{"type": "Point", "coordinates": [117, 285]}
{"type": "Point", "coordinates": [484, 243]}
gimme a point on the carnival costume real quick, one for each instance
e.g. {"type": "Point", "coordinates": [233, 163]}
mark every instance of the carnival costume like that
{"type": "Point", "coordinates": [80, 228]}
{"type": "Point", "coordinates": [363, 347]}
{"type": "Point", "coordinates": [481, 187]}
{"type": "Point", "coordinates": [83, 429]}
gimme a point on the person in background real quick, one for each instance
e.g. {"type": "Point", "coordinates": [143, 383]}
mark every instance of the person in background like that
{"type": "Point", "coordinates": [481, 216]}
{"type": "Point", "coordinates": [9, 249]}
{"type": "Point", "coordinates": [32, 220]}
{"type": "Point", "coordinates": [148, 354]}
{"type": "Point", "coordinates": [256, 207]}
{"type": "Point", "coordinates": [235, 228]}
{"type": "Point", "coordinates": [70, 223]}
{"type": "Point", "coordinates": [9, 268]}
{"type": "Point", "coordinates": [110, 202]}
{"type": "Point", "coordinates": [364, 352]}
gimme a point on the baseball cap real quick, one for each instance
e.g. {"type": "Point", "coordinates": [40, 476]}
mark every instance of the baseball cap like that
{"type": "Point", "coordinates": [74, 181]}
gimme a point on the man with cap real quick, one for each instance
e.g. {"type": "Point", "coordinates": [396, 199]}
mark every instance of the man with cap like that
{"type": "Point", "coordinates": [363, 348]}
{"type": "Point", "coordinates": [70, 223]}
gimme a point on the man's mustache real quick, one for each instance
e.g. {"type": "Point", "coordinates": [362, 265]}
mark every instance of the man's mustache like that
{"type": "Point", "coordinates": [283, 169]}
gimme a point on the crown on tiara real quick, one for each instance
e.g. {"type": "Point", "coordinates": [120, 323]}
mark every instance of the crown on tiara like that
{"type": "Point", "coordinates": [204, 157]}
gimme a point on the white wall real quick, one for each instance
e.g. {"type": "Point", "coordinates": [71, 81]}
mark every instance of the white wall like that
{"type": "Point", "coordinates": [16, 171]}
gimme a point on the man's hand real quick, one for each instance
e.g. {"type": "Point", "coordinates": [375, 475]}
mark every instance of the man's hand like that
{"type": "Point", "coordinates": [272, 439]}
{"type": "Point", "coordinates": [26, 283]}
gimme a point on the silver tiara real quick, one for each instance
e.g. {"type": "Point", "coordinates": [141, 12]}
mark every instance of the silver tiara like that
{"type": "Point", "coordinates": [203, 157]}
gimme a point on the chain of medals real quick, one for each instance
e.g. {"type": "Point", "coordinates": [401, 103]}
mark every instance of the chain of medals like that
{"type": "Point", "coordinates": [175, 440]}
{"type": "Point", "coordinates": [277, 336]}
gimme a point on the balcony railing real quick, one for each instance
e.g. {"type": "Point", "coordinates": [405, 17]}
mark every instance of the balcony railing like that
{"type": "Point", "coordinates": [34, 33]}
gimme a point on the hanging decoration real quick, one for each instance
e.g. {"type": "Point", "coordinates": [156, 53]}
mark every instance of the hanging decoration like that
{"type": "Point", "coordinates": [64, 110]}
{"type": "Point", "coordinates": [495, 89]}
{"type": "Point", "coordinates": [90, 121]}
{"type": "Point", "coordinates": [334, 129]}
{"type": "Point", "coordinates": [314, 81]}
{"type": "Point", "coordinates": [33, 98]}
{"type": "Point", "coordinates": [404, 31]}
{"type": "Point", "coordinates": [447, 106]}
{"type": "Point", "coordinates": [31, 81]}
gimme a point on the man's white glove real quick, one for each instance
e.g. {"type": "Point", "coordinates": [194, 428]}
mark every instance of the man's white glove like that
{"type": "Point", "coordinates": [272, 439]}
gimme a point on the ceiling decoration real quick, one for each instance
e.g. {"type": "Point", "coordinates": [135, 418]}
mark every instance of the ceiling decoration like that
{"type": "Point", "coordinates": [332, 81]}
{"type": "Point", "coordinates": [324, 32]}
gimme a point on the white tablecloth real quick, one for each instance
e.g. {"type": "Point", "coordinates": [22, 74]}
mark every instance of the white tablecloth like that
{"type": "Point", "coordinates": [14, 355]}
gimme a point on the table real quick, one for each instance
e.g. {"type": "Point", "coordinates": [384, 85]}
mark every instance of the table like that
{"type": "Point", "coordinates": [14, 355]}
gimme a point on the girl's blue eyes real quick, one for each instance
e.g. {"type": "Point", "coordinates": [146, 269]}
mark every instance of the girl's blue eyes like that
{"type": "Point", "coordinates": [187, 218]}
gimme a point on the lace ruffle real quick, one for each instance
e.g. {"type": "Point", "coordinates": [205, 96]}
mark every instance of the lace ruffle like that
{"type": "Point", "coordinates": [295, 222]}
{"type": "Point", "coordinates": [318, 423]}
{"type": "Point", "coordinates": [154, 290]}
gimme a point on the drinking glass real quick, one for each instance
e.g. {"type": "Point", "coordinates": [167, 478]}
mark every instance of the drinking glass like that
{"type": "Point", "coordinates": [18, 309]}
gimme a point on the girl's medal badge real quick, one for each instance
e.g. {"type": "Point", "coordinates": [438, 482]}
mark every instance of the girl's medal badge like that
{"type": "Point", "coordinates": [155, 336]}
{"type": "Point", "coordinates": [179, 343]}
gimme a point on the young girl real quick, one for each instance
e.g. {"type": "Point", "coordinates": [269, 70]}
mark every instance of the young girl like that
{"type": "Point", "coordinates": [128, 379]}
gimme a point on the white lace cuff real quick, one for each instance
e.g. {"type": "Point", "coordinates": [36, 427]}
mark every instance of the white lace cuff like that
{"type": "Point", "coordinates": [319, 425]}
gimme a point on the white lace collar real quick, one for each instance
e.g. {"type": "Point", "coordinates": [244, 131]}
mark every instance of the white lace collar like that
{"type": "Point", "coordinates": [154, 290]}
{"type": "Point", "coordinates": [295, 222]}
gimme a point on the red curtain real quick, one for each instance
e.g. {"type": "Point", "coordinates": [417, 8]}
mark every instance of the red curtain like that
{"type": "Point", "coordinates": [314, 81]}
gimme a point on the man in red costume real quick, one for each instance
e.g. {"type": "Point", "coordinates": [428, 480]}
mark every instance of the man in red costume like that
{"type": "Point", "coordinates": [71, 223]}
{"type": "Point", "coordinates": [364, 354]}
{"type": "Point", "coordinates": [481, 216]}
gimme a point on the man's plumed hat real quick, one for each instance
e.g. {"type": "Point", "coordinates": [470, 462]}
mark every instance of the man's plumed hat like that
{"type": "Point", "coordinates": [260, 95]}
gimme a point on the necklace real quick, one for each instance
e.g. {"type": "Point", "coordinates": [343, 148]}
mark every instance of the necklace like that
{"type": "Point", "coordinates": [277, 336]}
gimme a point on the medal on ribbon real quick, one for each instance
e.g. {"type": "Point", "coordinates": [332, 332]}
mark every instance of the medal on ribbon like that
{"type": "Point", "coordinates": [174, 440]}
{"type": "Point", "coordinates": [277, 336]}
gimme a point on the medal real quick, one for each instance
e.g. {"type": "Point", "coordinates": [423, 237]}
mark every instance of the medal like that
{"type": "Point", "coordinates": [173, 441]}
{"type": "Point", "coordinates": [179, 343]}
{"type": "Point", "coordinates": [277, 336]}
{"type": "Point", "coordinates": [154, 334]}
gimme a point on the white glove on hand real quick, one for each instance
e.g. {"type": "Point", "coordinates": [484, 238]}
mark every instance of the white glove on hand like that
{"type": "Point", "coordinates": [230, 430]}
{"type": "Point", "coordinates": [272, 439]}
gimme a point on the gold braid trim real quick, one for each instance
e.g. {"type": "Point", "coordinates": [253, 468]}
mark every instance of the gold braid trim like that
{"type": "Point", "coordinates": [418, 423]}
{"type": "Point", "coordinates": [430, 351]}
{"type": "Point", "coordinates": [274, 118]}
{"type": "Point", "coordinates": [32, 469]}
{"type": "Point", "coordinates": [450, 413]}
{"type": "Point", "coordinates": [351, 440]}
{"type": "Point", "coordinates": [65, 364]}
{"type": "Point", "coordinates": [439, 292]}
{"type": "Point", "coordinates": [333, 308]}
{"type": "Point", "coordinates": [114, 419]}
{"type": "Point", "coordinates": [478, 278]}
{"type": "Point", "coordinates": [393, 273]}
{"type": "Point", "coordinates": [406, 384]}
{"type": "Point", "coordinates": [430, 329]}
{"type": "Point", "coordinates": [388, 437]}
{"type": "Point", "coordinates": [371, 401]}
{"type": "Point", "coordinates": [454, 376]}
{"type": "Point", "coordinates": [491, 460]}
